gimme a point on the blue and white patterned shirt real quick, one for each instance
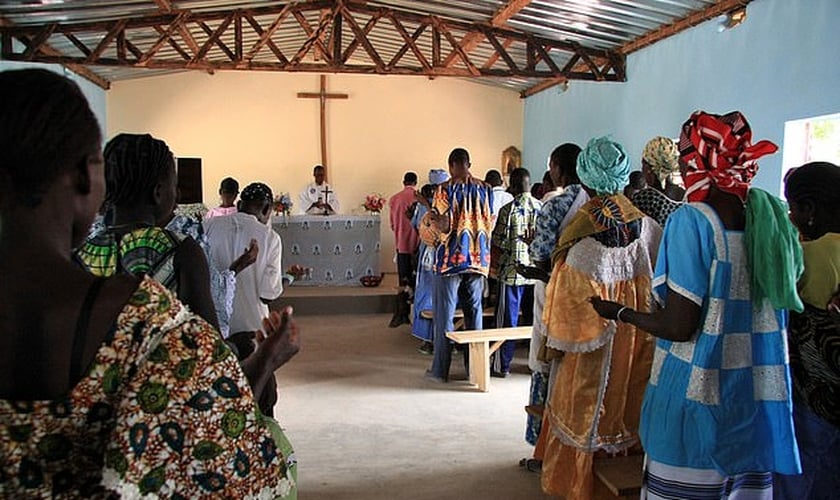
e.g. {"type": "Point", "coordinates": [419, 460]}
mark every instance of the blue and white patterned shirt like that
{"type": "Point", "coordinates": [548, 223]}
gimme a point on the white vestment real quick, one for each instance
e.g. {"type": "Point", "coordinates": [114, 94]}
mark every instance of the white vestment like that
{"type": "Point", "coordinates": [314, 193]}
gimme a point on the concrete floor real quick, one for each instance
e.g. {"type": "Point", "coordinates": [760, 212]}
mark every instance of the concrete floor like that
{"type": "Point", "coordinates": [366, 425]}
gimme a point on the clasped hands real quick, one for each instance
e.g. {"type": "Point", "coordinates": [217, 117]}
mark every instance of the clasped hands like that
{"type": "Point", "coordinates": [279, 339]}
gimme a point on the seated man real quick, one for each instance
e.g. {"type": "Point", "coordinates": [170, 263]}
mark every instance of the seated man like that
{"type": "Point", "coordinates": [318, 198]}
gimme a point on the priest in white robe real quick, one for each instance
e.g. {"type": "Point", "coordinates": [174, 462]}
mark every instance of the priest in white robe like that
{"type": "Point", "coordinates": [318, 197]}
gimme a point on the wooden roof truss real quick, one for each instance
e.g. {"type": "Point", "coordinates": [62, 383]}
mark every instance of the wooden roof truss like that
{"type": "Point", "coordinates": [337, 36]}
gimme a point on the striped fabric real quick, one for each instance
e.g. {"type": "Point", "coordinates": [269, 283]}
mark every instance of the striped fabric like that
{"type": "Point", "coordinates": [718, 149]}
{"type": "Point", "coordinates": [665, 482]}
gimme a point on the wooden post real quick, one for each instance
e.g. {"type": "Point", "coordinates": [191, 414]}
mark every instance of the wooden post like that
{"type": "Point", "coordinates": [322, 96]}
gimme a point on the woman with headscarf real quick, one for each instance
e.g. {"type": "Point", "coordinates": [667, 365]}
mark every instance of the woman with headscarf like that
{"type": "Point", "coordinates": [716, 419]}
{"type": "Point", "coordinates": [813, 192]}
{"type": "Point", "coordinates": [601, 367]}
{"type": "Point", "coordinates": [422, 326]}
{"type": "Point", "coordinates": [109, 387]}
{"type": "Point", "coordinates": [660, 160]}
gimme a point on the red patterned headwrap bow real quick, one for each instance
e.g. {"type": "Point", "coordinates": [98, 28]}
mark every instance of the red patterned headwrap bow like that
{"type": "Point", "coordinates": [718, 150]}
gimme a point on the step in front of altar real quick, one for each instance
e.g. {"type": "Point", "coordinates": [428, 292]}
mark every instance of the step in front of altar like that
{"type": "Point", "coordinates": [309, 300]}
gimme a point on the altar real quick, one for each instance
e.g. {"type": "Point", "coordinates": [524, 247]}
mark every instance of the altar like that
{"type": "Point", "coordinates": [339, 249]}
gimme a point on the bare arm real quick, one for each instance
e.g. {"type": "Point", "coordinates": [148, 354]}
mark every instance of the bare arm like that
{"type": "Point", "coordinates": [677, 322]}
{"type": "Point", "coordinates": [277, 343]}
{"type": "Point", "coordinates": [248, 257]}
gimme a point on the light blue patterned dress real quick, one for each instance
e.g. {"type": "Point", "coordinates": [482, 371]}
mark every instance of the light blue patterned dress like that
{"type": "Point", "coordinates": [421, 327]}
{"type": "Point", "coordinates": [721, 401]}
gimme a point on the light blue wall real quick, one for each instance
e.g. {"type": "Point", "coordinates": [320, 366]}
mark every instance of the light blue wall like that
{"type": "Point", "coordinates": [782, 63]}
{"type": "Point", "coordinates": [94, 94]}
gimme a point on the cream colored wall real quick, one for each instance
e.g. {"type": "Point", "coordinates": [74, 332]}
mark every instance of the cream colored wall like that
{"type": "Point", "coordinates": [253, 127]}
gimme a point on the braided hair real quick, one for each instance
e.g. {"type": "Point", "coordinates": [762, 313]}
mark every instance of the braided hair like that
{"type": "Point", "coordinates": [46, 128]}
{"type": "Point", "coordinates": [134, 165]}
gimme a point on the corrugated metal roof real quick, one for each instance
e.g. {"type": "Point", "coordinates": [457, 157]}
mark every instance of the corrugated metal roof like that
{"type": "Point", "coordinates": [598, 24]}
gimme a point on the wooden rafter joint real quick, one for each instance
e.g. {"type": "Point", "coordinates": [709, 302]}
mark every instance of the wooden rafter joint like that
{"type": "Point", "coordinates": [243, 39]}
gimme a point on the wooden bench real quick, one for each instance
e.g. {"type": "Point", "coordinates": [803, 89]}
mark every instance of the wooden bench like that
{"type": "Point", "coordinates": [621, 475]}
{"type": "Point", "coordinates": [480, 349]}
{"type": "Point", "coordinates": [457, 318]}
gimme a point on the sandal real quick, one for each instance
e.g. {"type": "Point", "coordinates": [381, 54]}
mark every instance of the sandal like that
{"type": "Point", "coordinates": [535, 410]}
{"type": "Point", "coordinates": [531, 464]}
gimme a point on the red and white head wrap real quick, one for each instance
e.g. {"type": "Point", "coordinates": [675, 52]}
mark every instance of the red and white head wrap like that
{"type": "Point", "coordinates": [718, 150]}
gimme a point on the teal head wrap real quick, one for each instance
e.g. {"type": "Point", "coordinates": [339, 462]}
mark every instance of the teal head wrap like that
{"type": "Point", "coordinates": [604, 166]}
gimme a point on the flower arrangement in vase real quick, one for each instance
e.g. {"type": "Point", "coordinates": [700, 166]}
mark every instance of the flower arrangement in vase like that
{"type": "Point", "coordinates": [374, 203]}
{"type": "Point", "coordinates": [283, 204]}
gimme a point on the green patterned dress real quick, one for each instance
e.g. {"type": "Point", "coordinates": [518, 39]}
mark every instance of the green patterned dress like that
{"type": "Point", "coordinates": [164, 410]}
{"type": "Point", "coordinates": [148, 251]}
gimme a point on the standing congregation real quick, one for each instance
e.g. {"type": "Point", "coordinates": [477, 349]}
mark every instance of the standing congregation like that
{"type": "Point", "coordinates": [691, 319]}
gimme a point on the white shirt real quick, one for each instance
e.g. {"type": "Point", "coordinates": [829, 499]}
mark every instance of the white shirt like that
{"type": "Point", "coordinates": [313, 193]}
{"type": "Point", "coordinates": [500, 199]}
{"type": "Point", "coordinates": [229, 236]}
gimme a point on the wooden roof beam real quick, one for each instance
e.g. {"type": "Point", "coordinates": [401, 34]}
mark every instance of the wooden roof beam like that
{"type": "Point", "coordinates": [77, 68]}
{"type": "Point", "coordinates": [472, 40]}
{"type": "Point", "coordinates": [47, 49]}
{"type": "Point", "coordinates": [575, 66]}
{"type": "Point", "coordinates": [501, 51]}
{"type": "Point", "coordinates": [543, 85]}
{"type": "Point", "coordinates": [409, 43]}
{"type": "Point", "coordinates": [344, 13]}
{"type": "Point", "coordinates": [165, 36]}
{"type": "Point", "coordinates": [265, 35]}
{"type": "Point", "coordinates": [314, 36]}
{"type": "Point", "coordinates": [214, 38]}
{"type": "Point", "coordinates": [171, 41]}
{"type": "Point", "coordinates": [590, 63]}
{"type": "Point", "coordinates": [691, 20]}
{"type": "Point", "coordinates": [164, 5]}
{"type": "Point", "coordinates": [39, 40]}
{"type": "Point", "coordinates": [441, 26]}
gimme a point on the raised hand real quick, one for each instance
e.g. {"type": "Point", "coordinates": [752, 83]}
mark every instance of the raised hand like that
{"type": "Point", "coordinates": [279, 340]}
{"type": "Point", "coordinates": [248, 257]}
{"type": "Point", "coordinates": [528, 235]}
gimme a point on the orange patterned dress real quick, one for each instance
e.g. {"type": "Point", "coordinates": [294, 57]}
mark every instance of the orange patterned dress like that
{"type": "Point", "coordinates": [607, 250]}
{"type": "Point", "coordinates": [164, 410]}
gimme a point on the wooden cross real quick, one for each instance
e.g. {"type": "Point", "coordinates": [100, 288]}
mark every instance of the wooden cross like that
{"type": "Point", "coordinates": [327, 192]}
{"type": "Point", "coordinates": [322, 95]}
